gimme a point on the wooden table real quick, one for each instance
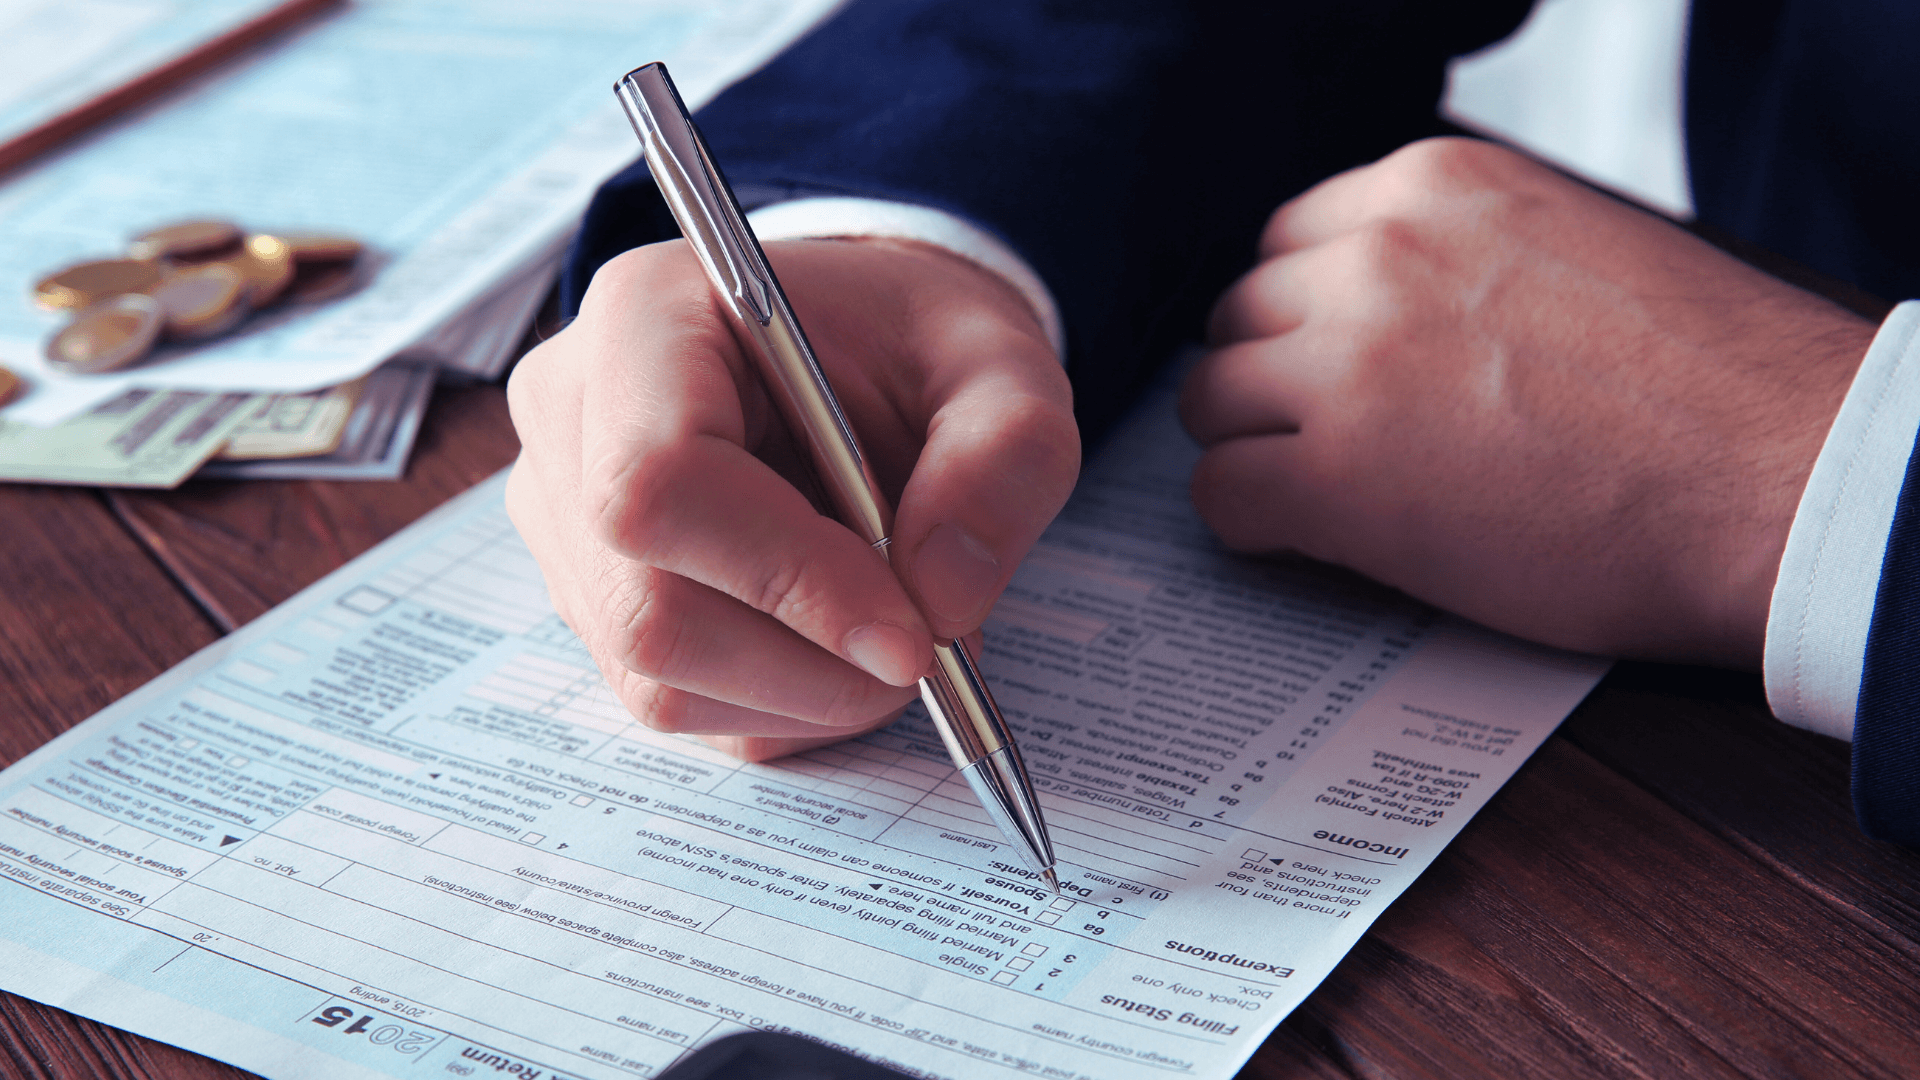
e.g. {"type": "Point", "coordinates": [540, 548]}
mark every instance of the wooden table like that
{"type": "Point", "coordinates": [1673, 887]}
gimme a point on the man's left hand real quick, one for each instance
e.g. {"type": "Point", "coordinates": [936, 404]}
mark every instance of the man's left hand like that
{"type": "Point", "coordinates": [1467, 376]}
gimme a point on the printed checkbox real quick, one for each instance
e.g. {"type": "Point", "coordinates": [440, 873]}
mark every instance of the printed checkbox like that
{"type": "Point", "coordinates": [1049, 917]}
{"type": "Point", "coordinates": [583, 800]}
{"type": "Point", "coordinates": [1005, 978]}
{"type": "Point", "coordinates": [1035, 949]}
{"type": "Point", "coordinates": [1019, 963]}
{"type": "Point", "coordinates": [186, 744]}
{"type": "Point", "coordinates": [533, 838]}
{"type": "Point", "coordinates": [1253, 855]}
{"type": "Point", "coordinates": [1062, 904]}
{"type": "Point", "coordinates": [237, 762]}
{"type": "Point", "coordinates": [365, 601]}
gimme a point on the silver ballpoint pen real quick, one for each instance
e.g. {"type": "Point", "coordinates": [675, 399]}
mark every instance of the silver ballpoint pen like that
{"type": "Point", "coordinates": [956, 696]}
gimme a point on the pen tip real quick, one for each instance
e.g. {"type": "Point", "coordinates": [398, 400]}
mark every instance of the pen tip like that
{"type": "Point", "coordinates": [1052, 879]}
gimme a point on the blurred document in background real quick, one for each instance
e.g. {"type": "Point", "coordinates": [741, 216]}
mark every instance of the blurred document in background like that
{"type": "Point", "coordinates": [459, 140]}
{"type": "Point", "coordinates": [66, 65]}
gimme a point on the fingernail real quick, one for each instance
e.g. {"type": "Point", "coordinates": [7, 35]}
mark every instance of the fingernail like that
{"type": "Point", "coordinates": [956, 574]}
{"type": "Point", "coordinates": [886, 652]}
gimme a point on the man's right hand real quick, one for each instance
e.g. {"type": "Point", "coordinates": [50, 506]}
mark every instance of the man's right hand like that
{"type": "Point", "coordinates": [656, 486]}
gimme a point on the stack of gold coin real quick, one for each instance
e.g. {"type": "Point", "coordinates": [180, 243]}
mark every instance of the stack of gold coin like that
{"type": "Point", "coordinates": [185, 282]}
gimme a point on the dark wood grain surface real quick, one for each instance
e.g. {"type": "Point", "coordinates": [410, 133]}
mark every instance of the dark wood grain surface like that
{"type": "Point", "coordinates": [1672, 887]}
{"type": "Point", "coordinates": [239, 547]}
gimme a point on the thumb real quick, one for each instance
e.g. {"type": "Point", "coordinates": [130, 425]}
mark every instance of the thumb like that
{"type": "Point", "coordinates": [1001, 456]}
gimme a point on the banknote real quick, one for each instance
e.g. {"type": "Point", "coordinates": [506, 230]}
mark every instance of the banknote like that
{"type": "Point", "coordinates": [296, 425]}
{"type": "Point", "coordinates": [374, 443]}
{"type": "Point", "coordinates": [141, 438]}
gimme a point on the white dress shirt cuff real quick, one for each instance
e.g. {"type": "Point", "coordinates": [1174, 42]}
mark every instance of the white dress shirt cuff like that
{"type": "Point", "coordinates": [820, 218]}
{"type": "Point", "coordinates": [1830, 572]}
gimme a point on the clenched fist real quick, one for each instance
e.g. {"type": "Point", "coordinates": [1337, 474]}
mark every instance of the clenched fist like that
{"type": "Point", "coordinates": [1464, 375]}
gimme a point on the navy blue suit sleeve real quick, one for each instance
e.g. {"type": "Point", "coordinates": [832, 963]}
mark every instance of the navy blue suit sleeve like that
{"type": "Point", "coordinates": [1801, 121]}
{"type": "Point", "coordinates": [1130, 150]}
{"type": "Point", "coordinates": [1801, 124]}
{"type": "Point", "coordinates": [1886, 726]}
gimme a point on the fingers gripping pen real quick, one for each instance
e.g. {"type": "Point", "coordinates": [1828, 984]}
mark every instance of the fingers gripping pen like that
{"type": "Point", "coordinates": [956, 696]}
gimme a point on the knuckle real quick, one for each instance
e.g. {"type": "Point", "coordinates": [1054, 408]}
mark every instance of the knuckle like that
{"type": "Point", "coordinates": [1277, 221]}
{"type": "Point", "coordinates": [1273, 235]}
{"type": "Point", "coordinates": [1389, 245]}
{"type": "Point", "coordinates": [1451, 163]}
{"type": "Point", "coordinates": [539, 389]}
{"type": "Point", "coordinates": [1026, 436]}
{"type": "Point", "coordinates": [646, 632]}
{"type": "Point", "coordinates": [844, 704]}
{"type": "Point", "coordinates": [785, 589]}
{"type": "Point", "coordinates": [1375, 268]}
{"type": "Point", "coordinates": [661, 708]}
{"type": "Point", "coordinates": [1265, 288]}
{"type": "Point", "coordinates": [1371, 358]}
{"type": "Point", "coordinates": [643, 271]}
{"type": "Point", "coordinates": [1045, 446]}
{"type": "Point", "coordinates": [1382, 269]}
{"type": "Point", "coordinates": [666, 281]}
{"type": "Point", "coordinates": [633, 495]}
{"type": "Point", "coordinates": [981, 329]}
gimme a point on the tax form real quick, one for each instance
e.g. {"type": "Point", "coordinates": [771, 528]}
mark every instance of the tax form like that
{"type": "Point", "coordinates": [398, 827]}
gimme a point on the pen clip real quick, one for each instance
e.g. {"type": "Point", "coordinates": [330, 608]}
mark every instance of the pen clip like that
{"type": "Point", "coordinates": [688, 177]}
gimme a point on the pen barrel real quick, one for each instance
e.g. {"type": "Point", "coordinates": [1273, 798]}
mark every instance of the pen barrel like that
{"type": "Point", "coordinates": [704, 207]}
{"type": "Point", "coordinates": [956, 690]}
{"type": "Point", "coordinates": [813, 415]}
